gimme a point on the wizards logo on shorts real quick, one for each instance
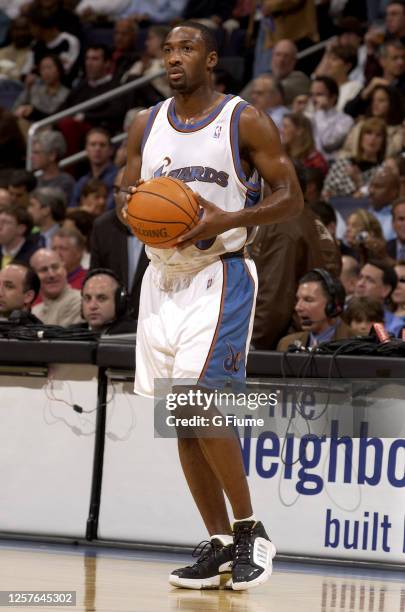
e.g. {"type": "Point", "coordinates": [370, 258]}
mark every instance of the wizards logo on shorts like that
{"type": "Point", "coordinates": [204, 174]}
{"type": "Point", "coordinates": [232, 360]}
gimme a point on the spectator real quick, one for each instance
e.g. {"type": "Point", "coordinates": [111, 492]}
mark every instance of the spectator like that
{"type": "Point", "coordinates": [350, 34]}
{"type": "Point", "coordinates": [395, 20]}
{"type": "Point", "coordinates": [348, 177]}
{"type": "Point", "coordinates": [99, 152]}
{"type": "Point", "coordinates": [314, 184]}
{"type": "Point", "coordinates": [364, 236]}
{"type": "Point", "coordinates": [299, 142]}
{"type": "Point", "coordinates": [320, 302]}
{"type": "Point", "coordinates": [330, 125]}
{"type": "Point", "coordinates": [383, 191]}
{"type": "Point", "coordinates": [378, 280]}
{"type": "Point", "coordinates": [392, 60]}
{"type": "Point", "coordinates": [361, 313]}
{"type": "Point", "coordinates": [93, 198]}
{"type": "Point", "coordinates": [105, 303]}
{"type": "Point", "coordinates": [113, 246]}
{"type": "Point", "coordinates": [283, 62]}
{"type": "Point", "coordinates": [387, 104]}
{"type": "Point", "coordinates": [12, 144]}
{"type": "Point", "coordinates": [47, 150]}
{"type": "Point", "coordinates": [19, 49]}
{"type": "Point", "coordinates": [285, 20]}
{"type": "Point", "coordinates": [5, 197]}
{"type": "Point", "coordinates": [267, 95]}
{"type": "Point", "coordinates": [19, 287]}
{"type": "Point", "coordinates": [63, 10]}
{"type": "Point", "coordinates": [50, 39]}
{"type": "Point", "coordinates": [149, 64]}
{"type": "Point", "coordinates": [159, 11]}
{"type": "Point", "coordinates": [283, 253]}
{"type": "Point", "coordinates": [83, 222]}
{"type": "Point", "coordinates": [282, 67]}
{"type": "Point", "coordinates": [349, 275]}
{"type": "Point", "coordinates": [44, 97]}
{"type": "Point", "coordinates": [16, 244]}
{"type": "Point", "coordinates": [124, 53]}
{"type": "Point", "coordinates": [337, 63]}
{"type": "Point", "coordinates": [327, 214]}
{"type": "Point", "coordinates": [97, 80]}
{"type": "Point", "coordinates": [21, 183]}
{"type": "Point", "coordinates": [396, 246]}
{"type": "Point", "coordinates": [47, 207]}
{"type": "Point", "coordinates": [398, 296]}
{"type": "Point", "coordinates": [60, 303]}
{"type": "Point", "coordinates": [70, 245]}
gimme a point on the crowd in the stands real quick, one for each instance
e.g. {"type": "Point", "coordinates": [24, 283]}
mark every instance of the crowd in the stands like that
{"type": "Point", "coordinates": [66, 259]}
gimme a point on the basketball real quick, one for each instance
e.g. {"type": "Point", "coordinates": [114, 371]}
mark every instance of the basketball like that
{"type": "Point", "coordinates": [161, 210]}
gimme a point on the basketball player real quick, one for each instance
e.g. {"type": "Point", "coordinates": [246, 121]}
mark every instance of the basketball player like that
{"type": "Point", "coordinates": [197, 300]}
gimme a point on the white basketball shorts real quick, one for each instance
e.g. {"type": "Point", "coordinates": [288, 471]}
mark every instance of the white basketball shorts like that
{"type": "Point", "coordinates": [201, 332]}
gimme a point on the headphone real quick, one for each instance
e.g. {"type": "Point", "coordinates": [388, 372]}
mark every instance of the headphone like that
{"type": "Point", "coordinates": [335, 305]}
{"type": "Point", "coordinates": [121, 297]}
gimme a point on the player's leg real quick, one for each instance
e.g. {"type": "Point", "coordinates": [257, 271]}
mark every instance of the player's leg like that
{"type": "Point", "coordinates": [225, 357]}
{"type": "Point", "coordinates": [204, 486]}
{"type": "Point", "coordinates": [213, 565]}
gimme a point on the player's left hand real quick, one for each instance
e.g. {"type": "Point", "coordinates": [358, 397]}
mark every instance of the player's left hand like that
{"type": "Point", "coordinates": [213, 222]}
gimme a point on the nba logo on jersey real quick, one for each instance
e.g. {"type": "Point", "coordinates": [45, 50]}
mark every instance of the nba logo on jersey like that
{"type": "Point", "coordinates": [217, 132]}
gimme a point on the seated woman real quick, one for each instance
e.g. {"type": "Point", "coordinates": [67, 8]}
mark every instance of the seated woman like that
{"type": "Point", "coordinates": [398, 295]}
{"type": "Point", "coordinates": [351, 176]}
{"type": "Point", "coordinates": [364, 236]}
{"type": "Point", "coordinates": [298, 140]}
{"type": "Point", "coordinates": [44, 96]}
{"type": "Point", "coordinates": [93, 197]}
{"type": "Point", "coordinates": [385, 103]}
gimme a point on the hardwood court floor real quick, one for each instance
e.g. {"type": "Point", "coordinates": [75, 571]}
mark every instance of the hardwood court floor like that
{"type": "Point", "coordinates": [112, 580]}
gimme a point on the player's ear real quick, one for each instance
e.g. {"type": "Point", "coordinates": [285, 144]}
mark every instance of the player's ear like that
{"type": "Point", "coordinates": [212, 60]}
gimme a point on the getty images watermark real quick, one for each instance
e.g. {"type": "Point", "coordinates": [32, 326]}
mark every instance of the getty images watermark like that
{"type": "Point", "coordinates": [185, 410]}
{"type": "Point", "coordinates": [280, 407]}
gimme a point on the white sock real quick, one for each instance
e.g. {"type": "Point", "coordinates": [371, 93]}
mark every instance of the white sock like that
{"type": "Point", "coordinates": [249, 518]}
{"type": "Point", "coordinates": [224, 538]}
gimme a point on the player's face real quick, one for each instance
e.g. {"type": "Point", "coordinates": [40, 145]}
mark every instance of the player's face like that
{"type": "Point", "coordinates": [187, 63]}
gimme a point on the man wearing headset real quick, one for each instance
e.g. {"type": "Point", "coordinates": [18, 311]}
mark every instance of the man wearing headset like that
{"type": "Point", "coordinates": [320, 301]}
{"type": "Point", "coordinates": [105, 303]}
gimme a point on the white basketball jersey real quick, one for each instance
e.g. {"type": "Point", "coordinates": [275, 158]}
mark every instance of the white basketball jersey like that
{"type": "Point", "coordinates": [205, 155]}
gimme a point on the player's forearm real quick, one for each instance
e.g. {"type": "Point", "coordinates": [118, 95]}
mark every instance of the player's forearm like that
{"type": "Point", "coordinates": [281, 205]}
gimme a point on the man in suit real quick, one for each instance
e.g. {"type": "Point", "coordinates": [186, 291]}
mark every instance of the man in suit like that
{"type": "Point", "coordinates": [114, 247]}
{"type": "Point", "coordinates": [396, 246]}
{"type": "Point", "coordinates": [16, 244]}
{"type": "Point", "coordinates": [283, 253]}
{"type": "Point", "coordinates": [320, 301]}
{"type": "Point", "coordinates": [19, 286]}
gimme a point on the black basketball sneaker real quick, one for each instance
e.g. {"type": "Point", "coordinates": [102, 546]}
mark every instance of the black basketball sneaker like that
{"type": "Point", "coordinates": [253, 554]}
{"type": "Point", "coordinates": [211, 570]}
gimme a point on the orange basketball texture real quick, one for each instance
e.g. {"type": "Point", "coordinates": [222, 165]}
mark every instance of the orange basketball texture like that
{"type": "Point", "coordinates": [161, 210]}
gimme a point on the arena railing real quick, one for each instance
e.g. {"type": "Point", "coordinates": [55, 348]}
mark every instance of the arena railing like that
{"type": "Point", "coordinates": [79, 108]}
{"type": "Point", "coordinates": [110, 95]}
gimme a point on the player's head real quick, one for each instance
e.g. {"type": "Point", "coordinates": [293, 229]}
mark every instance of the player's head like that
{"type": "Point", "coordinates": [190, 56]}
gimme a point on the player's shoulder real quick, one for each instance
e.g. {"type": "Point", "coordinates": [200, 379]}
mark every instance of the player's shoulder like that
{"type": "Point", "coordinates": [255, 126]}
{"type": "Point", "coordinates": [251, 117]}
